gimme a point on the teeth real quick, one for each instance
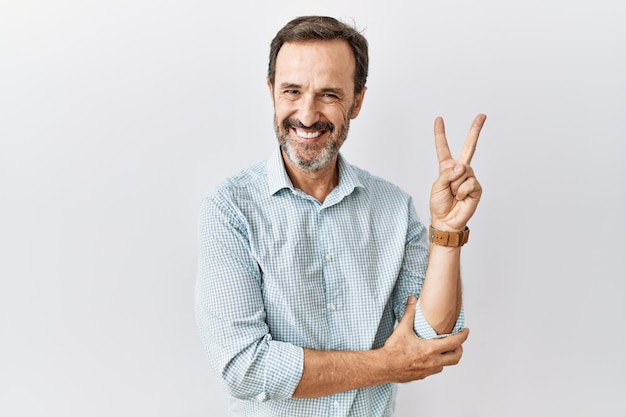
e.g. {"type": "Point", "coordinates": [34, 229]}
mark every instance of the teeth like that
{"type": "Point", "coordinates": [307, 135]}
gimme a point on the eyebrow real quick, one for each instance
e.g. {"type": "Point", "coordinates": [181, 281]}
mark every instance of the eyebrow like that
{"type": "Point", "coordinates": [338, 91]}
{"type": "Point", "coordinates": [290, 85]}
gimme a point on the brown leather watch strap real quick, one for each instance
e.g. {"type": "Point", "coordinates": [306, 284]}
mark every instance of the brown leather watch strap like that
{"type": "Point", "coordinates": [454, 239]}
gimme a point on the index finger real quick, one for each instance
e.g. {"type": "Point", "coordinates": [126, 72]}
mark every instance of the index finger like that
{"type": "Point", "coordinates": [472, 138]}
{"type": "Point", "coordinates": [441, 143]}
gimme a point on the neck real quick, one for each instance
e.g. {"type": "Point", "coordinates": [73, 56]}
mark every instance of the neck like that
{"type": "Point", "coordinates": [317, 184]}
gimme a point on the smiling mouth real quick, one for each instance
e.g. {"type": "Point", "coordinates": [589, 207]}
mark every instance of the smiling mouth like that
{"type": "Point", "coordinates": [308, 134]}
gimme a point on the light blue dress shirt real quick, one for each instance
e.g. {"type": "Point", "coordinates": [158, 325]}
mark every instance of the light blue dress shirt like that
{"type": "Point", "coordinates": [279, 272]}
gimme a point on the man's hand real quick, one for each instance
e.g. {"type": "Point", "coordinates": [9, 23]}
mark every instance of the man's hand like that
{"type": "Point", "coordinates": [456, 192]}
{"type": "Point", "coordinates": [410, 358]}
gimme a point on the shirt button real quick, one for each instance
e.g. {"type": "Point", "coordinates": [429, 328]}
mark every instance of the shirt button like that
{"type": "Point", "coordinates": [336, 404]}
{"type": "Point", "coordinates": [331, 307]}
{"type": "Point", "coordinates": [327, 257]}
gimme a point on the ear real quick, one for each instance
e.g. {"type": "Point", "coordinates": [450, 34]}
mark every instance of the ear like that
{"type": "Point", "coordinates": [358, 102]}
{"type": "Point", "coordinates": [271, 88]}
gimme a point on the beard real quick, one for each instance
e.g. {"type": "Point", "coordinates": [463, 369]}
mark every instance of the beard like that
{"type": "Point", "coordinates": [311, 157]}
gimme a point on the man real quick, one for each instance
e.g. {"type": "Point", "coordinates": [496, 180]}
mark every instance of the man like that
{"type": "Point", "coordinates": [307, 263]}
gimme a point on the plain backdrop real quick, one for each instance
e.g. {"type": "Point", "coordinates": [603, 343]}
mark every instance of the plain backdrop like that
{"type": "Point", "coordinates": [117, 117]}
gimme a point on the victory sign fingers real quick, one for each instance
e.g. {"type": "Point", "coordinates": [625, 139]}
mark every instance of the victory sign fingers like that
{"type": "Point", "coordinates": [456, 191]}
{"type": "Point", "coordinates": [441, 142]}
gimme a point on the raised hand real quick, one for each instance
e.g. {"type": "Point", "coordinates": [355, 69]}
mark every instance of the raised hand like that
{"type": "Point", "coordinates": [456, 192]}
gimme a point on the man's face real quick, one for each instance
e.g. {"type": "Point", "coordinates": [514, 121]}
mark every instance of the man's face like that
{"type": "Point", "coordinates": [314, 101]}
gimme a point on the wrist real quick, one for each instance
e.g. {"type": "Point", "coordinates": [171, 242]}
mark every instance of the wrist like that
{"type": "Point", "coordinates": [388, 358]}
{"type": "Point", "coordinates": [446, 226]}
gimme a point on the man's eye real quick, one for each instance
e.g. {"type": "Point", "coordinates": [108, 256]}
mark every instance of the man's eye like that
{"type": "Point", "coordinates": [291, 94]}
{"type": "Point", "coordinates": [330, 98]}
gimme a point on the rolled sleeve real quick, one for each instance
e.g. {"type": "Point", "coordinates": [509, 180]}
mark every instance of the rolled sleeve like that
{"type": "Point", "coordinates": [285, 363]}
{"type": "Point", "coordinates": [231, 317]}
{"type": "Point", "coordinates": [425, 330]}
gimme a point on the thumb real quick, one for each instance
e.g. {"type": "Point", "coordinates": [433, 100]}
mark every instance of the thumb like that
{"type": "Point", "coordinates": [409, 312]}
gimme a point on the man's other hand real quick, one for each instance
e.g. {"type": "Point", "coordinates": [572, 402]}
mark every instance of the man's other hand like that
{"type": "Point", "coordinates": [410, 358]}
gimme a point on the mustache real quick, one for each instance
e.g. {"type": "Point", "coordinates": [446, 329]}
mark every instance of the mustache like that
{"type": "Point", "coordinates": [287, 123]}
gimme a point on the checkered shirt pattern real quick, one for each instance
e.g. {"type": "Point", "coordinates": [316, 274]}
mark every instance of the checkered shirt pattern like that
{"type": "Point", "coordinates": [279, 272]}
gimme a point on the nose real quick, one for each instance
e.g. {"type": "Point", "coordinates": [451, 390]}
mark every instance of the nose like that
{"type": "Point", "coordinates": [308, 111]}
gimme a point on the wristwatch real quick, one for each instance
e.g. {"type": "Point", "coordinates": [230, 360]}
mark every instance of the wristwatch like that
{"type": "Point", "coordinates": [453, 239]}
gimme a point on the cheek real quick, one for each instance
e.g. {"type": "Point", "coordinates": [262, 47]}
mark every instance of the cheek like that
{"type": "Point", "coordinates": [280, 115]}
{"type": "Point", "coordinates": [340, 116]}
{"type": "Point", "coordinates": [284, 106]}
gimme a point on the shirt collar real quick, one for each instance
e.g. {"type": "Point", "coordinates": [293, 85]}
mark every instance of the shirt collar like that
{"type": "Point", "coordinates": [278, 179]}
{"type": "Point", "coordinates": [348, 178]}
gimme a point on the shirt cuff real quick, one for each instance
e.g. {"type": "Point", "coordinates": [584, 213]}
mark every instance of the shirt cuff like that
{"type": "Point", "coordinates": [425, 331]}
{"type": "Point", "coordinates": [284, 367]}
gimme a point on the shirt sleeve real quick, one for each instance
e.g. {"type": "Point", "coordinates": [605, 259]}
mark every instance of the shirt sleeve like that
{"type": "Point", "coordinates": [412, 275]}
{"type": "Point", "coordinates": [230, 313]}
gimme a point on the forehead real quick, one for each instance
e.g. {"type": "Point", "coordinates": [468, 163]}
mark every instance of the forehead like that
{"type": "Point", "coordinates": [315, 61]}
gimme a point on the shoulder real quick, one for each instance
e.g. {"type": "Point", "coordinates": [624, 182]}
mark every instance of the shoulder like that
{"type": "Point", "coordinates": [378, 186]}
{"type": "Point", "coordinates": [248, 184]}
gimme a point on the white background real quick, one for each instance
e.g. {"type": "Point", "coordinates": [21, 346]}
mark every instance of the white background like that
{"type": "Point", "coordinates": [116, 117]}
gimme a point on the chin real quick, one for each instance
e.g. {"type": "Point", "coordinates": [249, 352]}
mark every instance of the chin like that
{"type": "Point", "coordinates": [323, 158]}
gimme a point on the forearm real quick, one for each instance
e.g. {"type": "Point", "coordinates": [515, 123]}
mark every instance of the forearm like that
{"type": "Point", "coordinates": [441, 295]}
{"type": "Point", "coordinates": [454, 196]}
{"type": "Point", "coordinates": [404, 358]}
{"type": "Point", "coordinates": [331, 372]}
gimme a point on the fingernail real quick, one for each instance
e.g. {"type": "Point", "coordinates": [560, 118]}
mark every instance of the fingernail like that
{"type": "Point", "coordinates": [457, 169]}
{"type": "Point", "coordinates": [412, 300]}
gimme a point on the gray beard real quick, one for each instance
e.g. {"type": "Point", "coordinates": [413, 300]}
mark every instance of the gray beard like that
{"type": "Point", "coordinates": [324, 157]}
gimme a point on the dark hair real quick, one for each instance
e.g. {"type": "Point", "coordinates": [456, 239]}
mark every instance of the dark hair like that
{"type": "Point", "coordinates": [307, 28]}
